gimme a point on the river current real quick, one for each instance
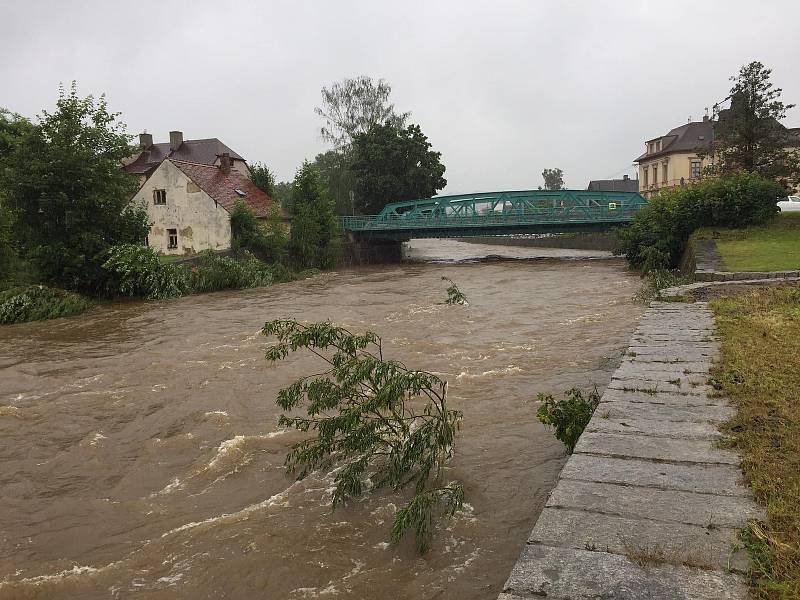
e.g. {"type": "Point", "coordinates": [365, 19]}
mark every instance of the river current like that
{"type": "Point", "coordinates": [140, 457]}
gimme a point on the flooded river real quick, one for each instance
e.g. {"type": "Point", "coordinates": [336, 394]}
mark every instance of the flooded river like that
{"type": "Point", "coordinates": [140, 458]}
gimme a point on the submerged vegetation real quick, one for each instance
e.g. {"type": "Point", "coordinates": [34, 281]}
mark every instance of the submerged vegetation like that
{"type": "Point", "coordinates": [375, 423]}
{"type": "Point", "coordinates": [568, 416]}
{"type": "Point", "coordinates": [760, 373]}
{"type": "Point", "coordinates": [454, 295]}
{"type": "Point", "coordinates": [37, 303]}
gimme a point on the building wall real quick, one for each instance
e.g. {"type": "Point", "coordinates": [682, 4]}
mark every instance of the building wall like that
{"type": "Point", "coordinates": [201, 224]}
{"type": "Point", "coordinates": [677, 164]}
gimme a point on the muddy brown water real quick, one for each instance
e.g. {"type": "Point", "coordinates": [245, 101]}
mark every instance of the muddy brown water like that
{"type": "Point", "coordinates": [140, 458]}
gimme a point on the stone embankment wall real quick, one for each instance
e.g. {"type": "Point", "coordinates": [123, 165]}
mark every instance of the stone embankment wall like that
{"type": "Point", "coordinates": [576, 241]}
{"type": "Point", "coordinates": [649, 505]}
{"type": "Point", "coordinates": [704, 262]}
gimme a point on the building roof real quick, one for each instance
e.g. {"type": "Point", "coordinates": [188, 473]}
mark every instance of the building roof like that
{"type": "Point", "coordinates": [686, 138]}
{"type": "Point", "coordinates": [226, 189]}
{"type": "Point", "coordinates": [204, 152]}
{"type": "Point", "coordinates": [614, 185]}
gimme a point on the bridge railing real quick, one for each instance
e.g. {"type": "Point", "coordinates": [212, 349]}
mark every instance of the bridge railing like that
{"type": "Point", "coordinates": [497, 218]}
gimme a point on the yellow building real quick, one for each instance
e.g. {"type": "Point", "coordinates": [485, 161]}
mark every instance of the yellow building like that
{"type": "Point", "coordinates": [671, 160]}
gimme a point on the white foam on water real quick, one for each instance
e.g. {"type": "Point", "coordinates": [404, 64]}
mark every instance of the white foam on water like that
{"type": "Point", "coordinates": [510, 369]}
{"type": "Point", "coordinates": [74, 572]}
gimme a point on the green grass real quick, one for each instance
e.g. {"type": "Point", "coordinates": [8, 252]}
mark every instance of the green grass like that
{"type": "Point", "coordinates": [760, 373]}
{"type": "Point", "coordinates": [774, 246]}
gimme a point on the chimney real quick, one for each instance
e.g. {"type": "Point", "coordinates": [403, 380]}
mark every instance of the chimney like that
{"type": "Point", "coordinates": [705, 118]}
{"type": "Point", "coordinates": [225, 163]}
{"type": "Point", "coordinates": [625, 178]}
{"type": "Point", "coordinates": [175, 140]}
{"type": "Point", "coordinates": [145, 140]}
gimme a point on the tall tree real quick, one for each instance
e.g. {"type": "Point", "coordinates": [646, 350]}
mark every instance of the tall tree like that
{"type": "Point", "coordinates": [352, 106]}
{"type": "Point", "coordinates": [335, 169]}
{"type": "Point", "coordinates": [263, 178]}
{"type": "Point", "coordinates": [748, 136]}
{"type": "Point", "coordinates": [392, 164]}
{"type": "Point", "coordinates": [70, 197]}
{"type": "Point", "coordinates": [553, 179]}
{"type": "Point", "coordinates": [315, 239]}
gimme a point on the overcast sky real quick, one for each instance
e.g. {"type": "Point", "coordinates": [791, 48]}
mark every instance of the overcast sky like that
{"type": "Point", "coordinates": [501, 89]}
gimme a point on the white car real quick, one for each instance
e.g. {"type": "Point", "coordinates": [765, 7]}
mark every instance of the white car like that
{"type": "Point", "coordinates": [789, 203]}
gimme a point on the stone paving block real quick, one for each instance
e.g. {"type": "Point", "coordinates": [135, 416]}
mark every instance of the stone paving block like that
{"type": "Point", "coordinates": [654, 448]}
{"type": "Point", "coordinates": [620, 409]}
{"type": "Point", "coordinates": [676, 543]}
{"type": "Point", "coordinates": [650, 503]}
{"type": "Point", "coordinates": [615, 395]}
{"type": "Point", "coordinates": [660, 371]}
{"type": "Point", "coordinates": [687, 385]}
{"type": "Point", "coordinates": [689, 430]}
{"type": "Point", "coordinates": [724, 480]}
{"type": "Point", "coordinates": [569, 574]}
{"type": "Point", "coordinates": [672, 368]}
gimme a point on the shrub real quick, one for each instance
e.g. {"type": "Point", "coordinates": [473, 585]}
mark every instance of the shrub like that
{"type": "Point", "coordinates": [37, 303]}
{"type": "Point", "coordinates": [658, 234]}
{"type": "Point", "coordinates": [267, 241]}
{"type": "Point", "coordinates": [137, 271]}
{"type": "Point", "coordinates": [215, 272]}
{"type": "Point", "coordinates": [454, 295]}
{"type": "Point", "coordinates": [569, 416]}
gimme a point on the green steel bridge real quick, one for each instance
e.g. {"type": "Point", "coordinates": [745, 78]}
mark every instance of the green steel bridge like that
{"type": "Point", "coordinates": [497, 213]}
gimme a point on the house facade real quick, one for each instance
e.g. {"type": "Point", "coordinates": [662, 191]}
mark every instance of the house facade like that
{"type": "Point", "coordinates": [674, 159]}
{"type": "Point", "coordinates": [189, 204]}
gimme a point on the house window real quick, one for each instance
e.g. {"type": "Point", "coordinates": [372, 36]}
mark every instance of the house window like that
{"type": "Point", "coordinates": [664, 173]}
{"type": "Point", "coordinates": [645, 171]}
{"type": "Point", "coordinates": [694, 169]}
{"type": "Point", "coordinates": [159, 196]}
{"type": "Point", "coordinates": [655, 174]}
{"type": "Point", "coordinates": [172, 234]}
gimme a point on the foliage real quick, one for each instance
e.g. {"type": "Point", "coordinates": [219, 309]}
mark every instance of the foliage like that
{"type": "Point", "coordinates": [215, 272]}
{"type": "Point", "coordinates": [315, 239]}
{"type": "Point", "coordinates": [655, 281]}
{"type": "Point", "coordinates": [454, 295]}
{"type": "Point", "coordinates": [69, 196]}
{"type": "Point", "coordinates": [334, 167]}
{"type": "Point", "coordinates": [391, 164]}
{"type": "Point", "coordinates": [759, 371]}
{"type": "Point", "coordinates": [282, 194]}
{"type": "Point", "coordinates": [748, 136]}
{"type": "Point", "coordinates": [352, 106]}
{"type": "Point", "coordinates": [569, 416]}
{"type": "Point", "coordinates": [659, 232]}
{"type": "Point", "coordinates": [376, 423]}
{"type": "Point", "coordinates": [268, 241]}
{"type": "Point", "coordinates": [37, 303]}
{"type": "Point", "coordinates": [553, 179]}
{"type": "Point", "coordinates": [137, 271]}
{"type": "Point", "coordinates": [263, 178]}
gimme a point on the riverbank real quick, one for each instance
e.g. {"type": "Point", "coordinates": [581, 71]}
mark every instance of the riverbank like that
{"type": "Point", "coordinates": [649, 504]}
{"type": "Point", "coordinates": [759, 371]}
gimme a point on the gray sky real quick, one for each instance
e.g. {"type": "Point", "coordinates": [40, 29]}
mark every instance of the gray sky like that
{"type": "Point", "coordinates": [501, 89]}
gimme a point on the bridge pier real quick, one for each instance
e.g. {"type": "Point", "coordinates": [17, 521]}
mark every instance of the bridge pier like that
{"type": "Point", "coordinates": [359, 251]}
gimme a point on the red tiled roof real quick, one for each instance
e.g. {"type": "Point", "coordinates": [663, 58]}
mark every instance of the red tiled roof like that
{"type": "Point", "coordinates": [222, 188]}
{"type": "Point", "coordinates": [204, 152]}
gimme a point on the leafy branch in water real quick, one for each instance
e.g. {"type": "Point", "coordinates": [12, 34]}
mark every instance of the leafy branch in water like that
{"type": "Point", "coordinates": [454, 295]}
{"type": "Point", "coordinates": [569, 416]}
{"type": "Point", "coordinates": [376, 422]}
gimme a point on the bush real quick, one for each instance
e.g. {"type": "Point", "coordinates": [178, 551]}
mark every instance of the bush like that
{"type": "Point", "coordinates": [569, 416]}
{"type": "Point", "coordinates": [137, 271]}
{"type": "Point", "coordinates": [658, 234]}
{"type": "Point", "coordinates": [268, 241]}
{"type": "Point", "coordinates": [454, 295]}
{"type": "Point", "coordinates": [215, 272]}
{"type": "Point", "coordinates": [37, 303]}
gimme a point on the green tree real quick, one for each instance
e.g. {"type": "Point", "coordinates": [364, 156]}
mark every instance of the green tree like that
{"type": "Point", "coordinates": [282, 194]}
{"type": "Point", "coordinates": [315, 239]}
{"type": "Point", "coordinates": [335, 169]}
{"type": "Point", "coordinates": [266, 240]}
{"type": "Point", "coordinates": [748, 136]}
{"type": "Point", "coordinates": [350, 107]}
{"type": "Point", "coordinates": [70, 198]}
{"type": "Point", "coordinates": [553, 179]}
{"type": "Point", "coordinates": [374, 422]}
{"type": "Point", "coordinates": [392, 164]}
{"type": "Point", "coordinates": [263, 178]}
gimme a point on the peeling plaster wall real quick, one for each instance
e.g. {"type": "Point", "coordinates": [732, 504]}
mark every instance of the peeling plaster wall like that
{"type": "Point", "coordinates": [201, 223]}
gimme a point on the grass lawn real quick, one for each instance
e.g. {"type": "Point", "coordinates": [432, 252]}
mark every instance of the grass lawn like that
{"type": "Point", "coordinates": [760, 373]}
{"type": "Point", "coordinates": [771, 247]}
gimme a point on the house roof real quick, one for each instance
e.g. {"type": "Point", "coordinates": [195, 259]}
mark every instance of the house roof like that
{"type": "Point", "coordinates": [614, 185]}
{"type": "Point", "coordinates": [224, 189]}
{"type": "Point", "coordinates": [686, 138]}
{"type": "Point", "coordinates": [204, 152]}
